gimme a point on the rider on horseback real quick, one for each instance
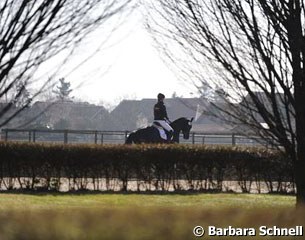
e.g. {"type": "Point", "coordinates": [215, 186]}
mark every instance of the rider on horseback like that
{"type": "Point", "coordinates": [161, 118]}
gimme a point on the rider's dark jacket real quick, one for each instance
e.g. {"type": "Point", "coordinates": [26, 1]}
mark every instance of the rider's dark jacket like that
{"type": "Point", "coordinates": [160, 112]}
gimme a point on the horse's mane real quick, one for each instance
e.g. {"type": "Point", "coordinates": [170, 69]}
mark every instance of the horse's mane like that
{"type": "Point", "coordinates": [180, 119]}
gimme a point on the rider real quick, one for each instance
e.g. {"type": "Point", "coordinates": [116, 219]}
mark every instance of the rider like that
{"type": "Point", "coordinates": [160, 116]}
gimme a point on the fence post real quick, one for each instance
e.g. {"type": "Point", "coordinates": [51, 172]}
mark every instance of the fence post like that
{"type": "Point", "coordinates": [233, 139]}
{"type": "Point", "coordinates": [102, 138]}
{"type": "Point", "coordinates": [203, 138]}
{"type": "Point", "coordinates": [30, 135]}
{"type": "Point", "coordinates": [65, 136]}
{"type": "Point", "coordinates": [6, 135]}
{"type": "Point", "coordinates": [34, 135]}
{"type": "Point", "coordinates": [95, 137]}
{"type": "Point", "coordinates": [193, 138]}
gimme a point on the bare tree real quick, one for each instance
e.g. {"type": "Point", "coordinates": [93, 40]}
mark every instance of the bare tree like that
{"type": "Point", "coordinates": [32, 32]}
{"type": "Point", "coordinates": [254, 50]}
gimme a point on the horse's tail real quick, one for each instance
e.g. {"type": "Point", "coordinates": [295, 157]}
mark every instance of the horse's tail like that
{"type": "Point", "coordinates": [130, 139]}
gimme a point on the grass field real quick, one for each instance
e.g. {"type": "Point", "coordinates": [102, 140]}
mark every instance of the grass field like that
{"type": "Point", "coordinates": [140, 216]}
{"type": "Point", "coordinates": [208, 201]}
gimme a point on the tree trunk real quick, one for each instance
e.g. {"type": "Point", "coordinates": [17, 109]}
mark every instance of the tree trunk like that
{"type": "Point", "coordinates": [297, 48]}
{"type": "Point", "coordinates": [300, 130]}
{"type": "Point", "coordinates": [300, 182]}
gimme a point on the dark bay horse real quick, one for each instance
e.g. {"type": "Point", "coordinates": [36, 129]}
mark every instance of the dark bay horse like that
{"type": "Point", "coordinates": [151, 134]}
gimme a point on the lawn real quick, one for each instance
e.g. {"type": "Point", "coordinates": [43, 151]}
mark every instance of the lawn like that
{"type": "Point", "coordinates": [140, 216]}
{"type": "Point", "coordinates": [207, 201]}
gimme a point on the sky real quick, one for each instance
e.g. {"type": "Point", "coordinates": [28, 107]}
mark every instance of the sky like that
{"type": "Point", "coordinates": [126, 66]}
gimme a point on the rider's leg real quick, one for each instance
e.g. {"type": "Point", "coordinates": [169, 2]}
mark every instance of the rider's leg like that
{"type": "Point", "coordinates": [169, 130]}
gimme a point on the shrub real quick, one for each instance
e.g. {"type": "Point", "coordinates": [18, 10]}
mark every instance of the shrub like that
{"type": "Point", "coordinates": [141, 167]}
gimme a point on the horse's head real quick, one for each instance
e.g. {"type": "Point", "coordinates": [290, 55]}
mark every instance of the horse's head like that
{"type": "Point", "coordinates": [186, 128]}
{"type": "Point", "coordinates": [183, 125]}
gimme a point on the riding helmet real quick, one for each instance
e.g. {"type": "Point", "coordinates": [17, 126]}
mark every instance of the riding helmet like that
{"type": "Point", "coordinates": [161, 96]}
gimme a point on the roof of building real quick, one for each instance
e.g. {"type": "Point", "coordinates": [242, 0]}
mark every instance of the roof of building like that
{"type": "Point", "coordinates": [134, 114]}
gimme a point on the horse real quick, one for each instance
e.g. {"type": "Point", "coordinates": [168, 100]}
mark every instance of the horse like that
{"type": "Point", "coordinates": [151, 134]}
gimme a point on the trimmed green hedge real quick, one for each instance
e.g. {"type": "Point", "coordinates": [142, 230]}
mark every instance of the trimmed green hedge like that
{"type": "Point", "coordinates": [142, 167]}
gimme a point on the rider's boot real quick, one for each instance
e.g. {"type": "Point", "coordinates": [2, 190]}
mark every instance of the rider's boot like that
{"type": "Point", "coordinates": [169, 135]}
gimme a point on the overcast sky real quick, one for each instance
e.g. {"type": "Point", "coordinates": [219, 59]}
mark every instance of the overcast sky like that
{"type": "Point", "coordinates": [127, 66]}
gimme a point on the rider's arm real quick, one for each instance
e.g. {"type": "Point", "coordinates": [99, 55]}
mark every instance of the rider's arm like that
{"type": "Point", "coordinates": [165, 114]}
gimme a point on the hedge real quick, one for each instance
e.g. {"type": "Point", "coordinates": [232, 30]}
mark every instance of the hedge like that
{"type": "Point", "coordinates": [63, 167]}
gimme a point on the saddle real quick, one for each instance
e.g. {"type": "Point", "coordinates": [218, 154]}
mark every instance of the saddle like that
{"type": "Point", "coordinates": [163, 133]}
